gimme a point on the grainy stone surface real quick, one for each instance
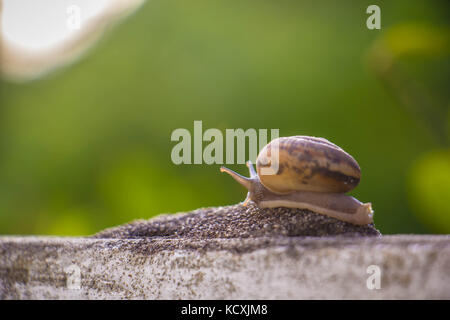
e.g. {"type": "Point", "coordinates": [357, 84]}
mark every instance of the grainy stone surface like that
{"type": "Point", "coordinates": [238, 221]}
{"type": "Point", "coordinates": [412, 267]}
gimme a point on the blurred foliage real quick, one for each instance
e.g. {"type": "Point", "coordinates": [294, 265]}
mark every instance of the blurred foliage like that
{"type": "Point", "coordinates": [428, 189]}
{"type": "Point", "coordinates": [89, 147]}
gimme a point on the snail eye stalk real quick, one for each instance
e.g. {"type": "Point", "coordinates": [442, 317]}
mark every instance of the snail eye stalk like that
{"type": "Point", "coordinates": [246, 182]}
{"type": "Point", "coordinates": [251, 169]}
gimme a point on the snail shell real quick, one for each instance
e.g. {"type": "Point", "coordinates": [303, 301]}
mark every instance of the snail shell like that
{"type": "Point", "coordinates": [308, 164]}
{"type": "Point", "coordinates": [312, 174]}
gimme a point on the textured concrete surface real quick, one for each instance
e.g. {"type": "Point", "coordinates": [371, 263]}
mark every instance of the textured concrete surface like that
{"type": "Point", "coordinates": [231, 252]}
{"type": "Point", "coordinates": [412, 267]}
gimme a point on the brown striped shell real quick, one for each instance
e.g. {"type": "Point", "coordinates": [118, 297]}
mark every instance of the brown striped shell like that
{"type": "Point", "coordinates": [308, 164]}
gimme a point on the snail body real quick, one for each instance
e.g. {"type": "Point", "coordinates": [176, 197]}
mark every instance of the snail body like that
{"type": "Point", "coordinates": [313, 174]}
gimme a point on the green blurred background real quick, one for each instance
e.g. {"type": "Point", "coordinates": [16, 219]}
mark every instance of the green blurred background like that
{"type": "Point", "coordinates": [88, 147]}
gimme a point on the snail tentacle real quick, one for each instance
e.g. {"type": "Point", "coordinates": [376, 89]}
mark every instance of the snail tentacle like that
{"type": "Point", "coordinates": [251, 169]}
{"type": "Point", "coordinates": [246, 182]}
{"type": "Point", "coordinates": [247, 200]}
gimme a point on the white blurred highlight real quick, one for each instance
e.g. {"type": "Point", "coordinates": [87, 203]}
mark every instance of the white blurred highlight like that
{"type": "Point", "coordinates": [38, 36]}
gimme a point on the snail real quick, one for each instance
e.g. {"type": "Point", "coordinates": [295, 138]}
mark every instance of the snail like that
{"type": "Point", "coordinates": [313, 174]}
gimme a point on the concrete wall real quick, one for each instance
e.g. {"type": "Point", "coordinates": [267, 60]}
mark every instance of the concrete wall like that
{"type": "Point", "coordinates": [411, 267]}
